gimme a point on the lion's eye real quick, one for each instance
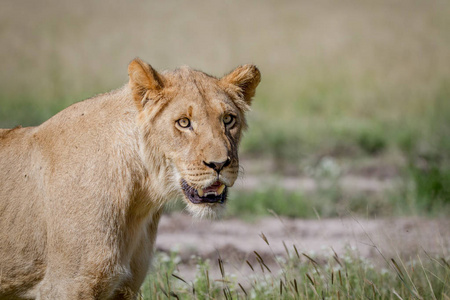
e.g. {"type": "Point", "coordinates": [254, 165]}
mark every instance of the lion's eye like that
{"type": "Point", "coordinates": [228, 119]}
{"type": "Point", "coordinates": [184, 122]}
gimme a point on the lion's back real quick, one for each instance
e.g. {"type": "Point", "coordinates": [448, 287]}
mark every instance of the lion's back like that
{"type": "Point", "coordinates": [21, 247]}
{"type": "Point", "coordinates": [14, 158]}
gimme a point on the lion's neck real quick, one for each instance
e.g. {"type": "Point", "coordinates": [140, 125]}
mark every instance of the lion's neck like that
{"type": "Point", "coordinates": [160, 180]}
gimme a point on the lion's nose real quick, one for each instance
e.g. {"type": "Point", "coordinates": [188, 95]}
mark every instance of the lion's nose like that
{"type": "Point", "coordinates": [218, 166]}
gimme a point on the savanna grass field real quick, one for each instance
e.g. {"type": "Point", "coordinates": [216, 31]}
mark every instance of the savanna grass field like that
{"type": "Point", "coordinates": [350, 122]}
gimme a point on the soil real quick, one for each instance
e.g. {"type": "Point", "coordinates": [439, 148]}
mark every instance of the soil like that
{"type": "Point", "coordinates": [235, 240]}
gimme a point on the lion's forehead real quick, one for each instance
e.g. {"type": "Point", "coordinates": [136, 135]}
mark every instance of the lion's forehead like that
{"type": "Point", "coordinates": [201, 106]}
{"type": "Point", "coordinates": [195, 84]}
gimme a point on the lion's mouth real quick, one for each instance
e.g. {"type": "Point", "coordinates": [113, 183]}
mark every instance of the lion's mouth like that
{"type": "Point", "coordinates": [215, 193]}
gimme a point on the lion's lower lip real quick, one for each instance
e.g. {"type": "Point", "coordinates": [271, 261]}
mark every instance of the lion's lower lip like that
{"type": "Point", "coordinates": [193, 194]}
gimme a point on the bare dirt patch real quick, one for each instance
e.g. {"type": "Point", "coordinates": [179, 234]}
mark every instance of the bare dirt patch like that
{"type": "Point", "coordinates": [235, 240]}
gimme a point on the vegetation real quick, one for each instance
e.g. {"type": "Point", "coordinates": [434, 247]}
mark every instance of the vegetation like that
{"type": "Point", "coordinates": [304, 276]}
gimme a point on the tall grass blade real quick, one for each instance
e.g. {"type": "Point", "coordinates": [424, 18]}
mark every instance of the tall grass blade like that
{"type": "Point", "coordinates": [242, 288]}
{"type": "Point", "coordinates": [286, 250]}
{"type": "Point", "coordinates": [336, 257]}
{"type": "Point", "coordinates": [261, 261]}
{"type": "Point", "coordinates": [264, 238]}
{"type": "Point", "coordinates": [396, 294]}
{"type": "Point", "coordinates": [295, 286]}
{"type": "Point", "coordinates": [250, 265]}
{"type": "Point", "coordinates": [296, 252]}
{"type": "Point", "coordinates": [397, 268]}
{"type": "Point", "coordinates": [281, 287]}
{"type": "Point", "coordinates": [311, 259]}
{"type": "Point", "coordinates": [179, 278]}
{"type": "Point", "coordinates": [222, 270]}
{"type": "Point", "coordinates": [426, 276]}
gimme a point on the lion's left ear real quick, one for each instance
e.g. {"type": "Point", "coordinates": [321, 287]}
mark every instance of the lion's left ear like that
{"type": "Point", "coordinates": [144, 81]}
{"type": "Point", "coordinates": [246, 78]}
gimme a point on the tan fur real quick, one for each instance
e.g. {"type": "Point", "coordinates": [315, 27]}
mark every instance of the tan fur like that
{"type": "Point", "coordinates": [81, 195]}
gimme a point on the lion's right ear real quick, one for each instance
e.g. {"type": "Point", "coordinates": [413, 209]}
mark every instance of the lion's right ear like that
{"type": "Point", "coordinates": [144, 81]}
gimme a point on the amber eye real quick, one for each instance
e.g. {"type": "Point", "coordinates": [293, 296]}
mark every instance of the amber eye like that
{"type": "Point", "coordinates": [228, 119]}
{"type": "Point", "coordinates": [184, 122]}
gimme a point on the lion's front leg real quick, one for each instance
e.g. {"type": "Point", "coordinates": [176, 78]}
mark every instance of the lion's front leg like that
{"type": "Point", "coordinates": [105, 275]}
{"type": "Point", "coordinates": [63, 286]}
{"type": "Point", "coordinates": [140, 261]}
{"type": "Point", "coordinates": [87, 268]}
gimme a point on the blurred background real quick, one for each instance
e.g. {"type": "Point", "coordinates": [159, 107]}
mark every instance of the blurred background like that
{"type": "Point", "coordinates": [349, 129]}
{"type": "Point", "coordinates": [352, 114]}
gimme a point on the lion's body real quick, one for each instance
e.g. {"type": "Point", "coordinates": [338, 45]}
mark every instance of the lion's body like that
{"type": "Point", "coordinates": [80, 200]}
{"type": "Point", "coordinates": [55, 185]}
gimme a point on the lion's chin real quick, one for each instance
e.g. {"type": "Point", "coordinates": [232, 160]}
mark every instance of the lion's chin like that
{"type": "Point", "coordinates": [206, 210]}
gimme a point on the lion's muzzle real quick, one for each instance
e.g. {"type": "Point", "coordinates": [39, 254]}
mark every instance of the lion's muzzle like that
{"type": "Point", "coordinates": [215, 193]}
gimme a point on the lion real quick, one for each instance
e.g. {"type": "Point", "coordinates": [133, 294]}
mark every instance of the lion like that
{"type": "Point", "coordinates": [81, 195]}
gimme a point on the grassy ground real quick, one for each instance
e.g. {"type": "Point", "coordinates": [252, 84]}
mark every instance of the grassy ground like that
{"type": "Point", "coordinates": [302, 276]}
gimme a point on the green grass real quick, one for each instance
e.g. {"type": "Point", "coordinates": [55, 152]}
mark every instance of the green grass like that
{"type": "Point", "coordinates": [304, 276]}
{"type": "Point", "coordinates": [333, 202]}
{"type": "Point", "coordinates": [260, 203]}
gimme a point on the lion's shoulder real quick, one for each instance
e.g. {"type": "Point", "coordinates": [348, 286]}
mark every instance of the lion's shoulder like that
{"type": "Point", "coordinates": [5, 132]}
{"type": "Point", "coordinates": [11, 133]}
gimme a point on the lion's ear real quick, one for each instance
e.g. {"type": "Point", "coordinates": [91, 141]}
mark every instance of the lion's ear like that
{"type": "Point", "coordinates": [246, 78]}
{"type": "Point", "coordinates": [144, 81]}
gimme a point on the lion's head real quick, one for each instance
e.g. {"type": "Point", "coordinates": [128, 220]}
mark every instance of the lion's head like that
{"type": "Point", "coordinates": [191, 126]}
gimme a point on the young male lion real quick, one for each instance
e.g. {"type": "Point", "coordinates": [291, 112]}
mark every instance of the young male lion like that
{"type": "Point", "coordinates": [81, 195]}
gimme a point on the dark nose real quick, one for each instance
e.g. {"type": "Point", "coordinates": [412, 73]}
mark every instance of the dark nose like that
{"type": "Point", "coordinates": [218, 166]}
